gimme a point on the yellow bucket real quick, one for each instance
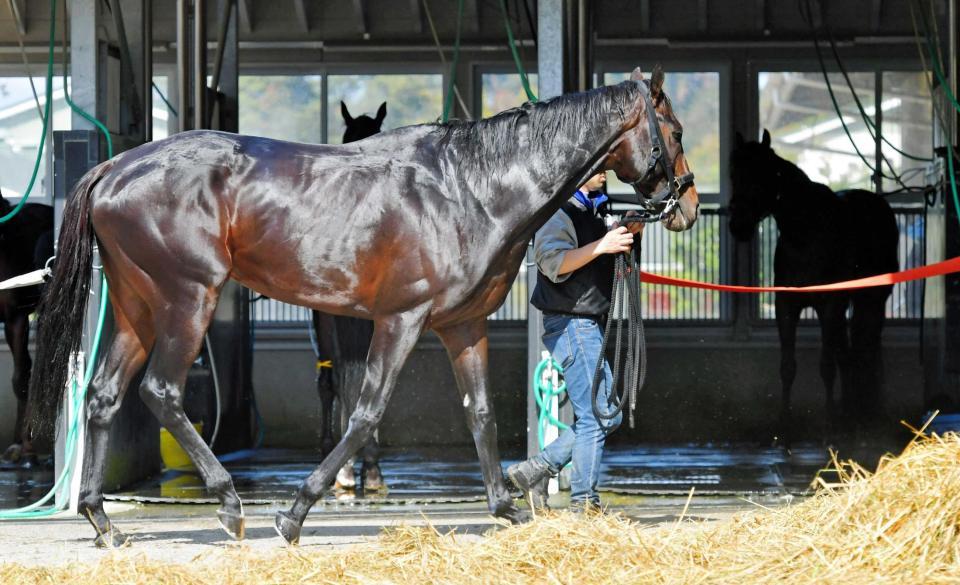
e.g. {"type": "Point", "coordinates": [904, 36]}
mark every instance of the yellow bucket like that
{"type": "Point", "coordinates": [172, 454]}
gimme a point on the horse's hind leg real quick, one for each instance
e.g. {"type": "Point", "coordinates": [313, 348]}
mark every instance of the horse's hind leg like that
{"type": "Point", "coordinates": [124, 358]}
{"type": "Point", "coordinates": [17, 331]}
{"type": "Point", "coordinates": [372, 476]}
{"type": "Point", "coordinates": [467, 346]}
{"type": "Point", "coordinates": [181, 321]}
{"type": "Point", "coordinates": [866, 333]}
{"type": "Point", "coordinates": [323, 329]}
{"type": "Point", "coordinates": [393, 339]}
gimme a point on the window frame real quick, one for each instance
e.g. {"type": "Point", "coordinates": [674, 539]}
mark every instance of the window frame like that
{"type": "Point", "coordinates": [877, 67]}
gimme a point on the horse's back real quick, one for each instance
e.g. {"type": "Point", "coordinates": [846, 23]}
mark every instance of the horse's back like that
{"type": "Point", "coordinates": [872, 232]}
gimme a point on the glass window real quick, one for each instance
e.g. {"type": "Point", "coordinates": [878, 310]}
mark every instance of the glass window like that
{"type": "Point", "coordinates": [907, 124]}
{"type": "Point", "coordinates": [502, 91]}
{"type": "Point", "coordinates": [797, 110]}
{"type": "Point", "coordinates": [20, 130]}
{"type": "Point", "coordinates": [806, 130]}
{"type": "Point", "coordinates": [286, 107]}
{"type": "Point", "coordinates": [696, 100]}
{"type": "Point", "coordinates": [163, 109]}
{"type": "Point", "coordinates": [411, 99]}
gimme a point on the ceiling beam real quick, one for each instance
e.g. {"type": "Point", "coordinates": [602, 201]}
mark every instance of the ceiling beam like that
{"type": "Point", "coordinates": [300, 8]}
{"type": "Point", "coordinates": [19, 10]}
{"type": "Point", "coordinates": [360, 11]}
{"type": "Point", "coordinates": [875, 12]}
{"type": "Point", "coordinates": [415, 16]}
{"type": "Point", "coordinates": [471, 16]}
{"type": "Point", "coordinates": [245, 12]}
{"type": "Point", "coordinates": [761, 15]}
{"type": "Point", "coordinates": [645, 15]}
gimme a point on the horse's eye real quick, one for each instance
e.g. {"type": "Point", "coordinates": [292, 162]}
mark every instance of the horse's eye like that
{"type": "Point", "coordinates": [678, 136]}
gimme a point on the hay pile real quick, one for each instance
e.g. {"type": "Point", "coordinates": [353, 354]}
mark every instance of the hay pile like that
{"type": "Point", "coordinates": [899, 525]}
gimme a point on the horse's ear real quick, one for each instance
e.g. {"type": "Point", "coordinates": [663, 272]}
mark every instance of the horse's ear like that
{"type": "Point", "coordinates": [739, 139]}
{"type": "Point", "coordinates": [765, 140]}
{"type": "Point", "coordinates": [345, 112]}
{"type": "Point", "coordinates": [656, 82]}
{"type": "Point", "coordinates": [381, 112]}
{"type": "Point", "coordinates": [637, 75]}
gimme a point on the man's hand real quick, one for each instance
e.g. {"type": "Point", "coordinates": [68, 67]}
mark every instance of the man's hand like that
{"type": "Point", "coordinates": [619, 239]}
{"type": "Point", "coordinates": [635, 227]}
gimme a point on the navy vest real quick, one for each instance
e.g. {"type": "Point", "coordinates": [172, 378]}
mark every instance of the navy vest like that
{"type": "Point", "coordinates": [587, 290]}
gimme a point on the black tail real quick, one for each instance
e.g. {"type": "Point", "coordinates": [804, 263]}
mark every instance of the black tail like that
{"type": "Point", "coordinates": [61, 310]}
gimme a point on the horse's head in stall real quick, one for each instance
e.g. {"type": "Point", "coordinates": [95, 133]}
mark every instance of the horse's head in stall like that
{"type": "Point", "coordinates": [649, 157]}
{"type": "Point", "coordinates": [754, 173]}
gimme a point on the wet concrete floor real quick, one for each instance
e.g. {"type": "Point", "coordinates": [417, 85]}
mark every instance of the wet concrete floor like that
{"type": "Point", "coordinates": [452, 475]}
{"type": "Point", "coordinates": [171, 518]}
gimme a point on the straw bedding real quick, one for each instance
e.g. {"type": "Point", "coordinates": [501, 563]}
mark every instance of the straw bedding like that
{"type": "Point", "coordinates": [898, 525]}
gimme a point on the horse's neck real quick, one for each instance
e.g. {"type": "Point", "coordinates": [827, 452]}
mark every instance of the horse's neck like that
{"type": "Point", "coordinates": [568, 164]}
{"type": "Point", "coordinates": [800, 202]}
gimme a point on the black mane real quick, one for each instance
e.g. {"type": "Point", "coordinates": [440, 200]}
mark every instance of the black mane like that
{"type": "Point", "coordinates": [487, 144]}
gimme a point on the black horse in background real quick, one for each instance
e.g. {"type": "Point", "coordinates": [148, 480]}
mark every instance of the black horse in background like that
{"type": "Point", "coordinates": [26, 241]}
{"type": "Point", "coordinates": [342, 345]}
{"type": "Point", "coordinates": [822, 237]}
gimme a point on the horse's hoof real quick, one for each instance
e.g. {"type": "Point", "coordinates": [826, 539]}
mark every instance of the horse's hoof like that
{"type": "Point", "coordinates": [345, 479]}
{"type": "Point", "coordinates": [232, 524]}
{"type": "Point", "coordinates": [12, 454]}
{"type": "Point", "coordinates": [111, 539]}
{"type": "Point", "coordinates": [373, 480]}
{"type": "Point", "coordinates": [287, 528]}
{"type": "Point", "coordinates": [515, 515]}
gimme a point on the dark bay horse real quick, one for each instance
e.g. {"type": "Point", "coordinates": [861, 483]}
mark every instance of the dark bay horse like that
{"type": "Point", "coordinates": [423, 227]}
{"type": "Point", "coordinates": [346, 340]}
{"type": "Point", "coordinates": [822, 237]}
{"type": "Point", "coordinates": [26, 241]}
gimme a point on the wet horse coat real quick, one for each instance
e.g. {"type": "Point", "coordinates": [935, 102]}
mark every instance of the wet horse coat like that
{"type": "Point", "coordinates": [418, 228]}
{"type": "Point", "coordinates": [345, 342]}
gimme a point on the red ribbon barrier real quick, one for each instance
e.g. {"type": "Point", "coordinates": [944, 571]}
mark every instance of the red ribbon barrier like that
{"type": "Point", "coordinates": [939, 269]}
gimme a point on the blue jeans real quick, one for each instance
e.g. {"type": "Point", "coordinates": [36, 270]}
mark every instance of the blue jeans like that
{"type": "Point", "coordinates": [574, 342]}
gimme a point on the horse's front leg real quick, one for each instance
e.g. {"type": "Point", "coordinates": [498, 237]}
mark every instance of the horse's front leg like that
{"type": "Point", "coordinates": [467, 346]}
{"type": "Point", "coordinates": [787, 310]}
{"type": "Point", "coordinates": [394, 337]}
{"type": "Point", "coordinates": [17, 330]}
{"type": "Point", "coordinates": [833, 350]}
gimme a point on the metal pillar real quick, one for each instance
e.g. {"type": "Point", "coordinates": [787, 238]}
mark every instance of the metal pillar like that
{"type": "Point", "coordinates": [146, 78]}
{"type": "Point", "coordinates": [199, 63]}
{"type": "Point", "coordinates": [183, 67]}
{"type": "Point", "coordinates": [941, 342]}
{"type": "Point", "coordinates": [549, 84]}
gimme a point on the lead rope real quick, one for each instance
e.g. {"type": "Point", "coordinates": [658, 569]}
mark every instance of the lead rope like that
{"type": "Point", "coordinates": [626, 289]}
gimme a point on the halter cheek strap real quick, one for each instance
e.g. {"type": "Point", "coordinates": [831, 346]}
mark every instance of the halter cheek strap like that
{"type": "Point", "coordinates": [660, 204]}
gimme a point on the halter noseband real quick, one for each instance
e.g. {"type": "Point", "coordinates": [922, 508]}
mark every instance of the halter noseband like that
{"type": "Point", "coordinates": [661, 204]}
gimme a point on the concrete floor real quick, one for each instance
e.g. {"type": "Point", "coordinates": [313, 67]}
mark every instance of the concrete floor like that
{"type": "Point", "coordinates": [178, 533]}
{"type": "Point", "coordinates": [442, 487]}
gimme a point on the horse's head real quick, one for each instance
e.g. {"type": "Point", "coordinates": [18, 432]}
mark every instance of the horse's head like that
{"type": "Point", "coordinates": [754, 173]}
{"type": "Point", "coordinates": [649, 157]}
{"type": "Point", "coordinates": [362, 126]}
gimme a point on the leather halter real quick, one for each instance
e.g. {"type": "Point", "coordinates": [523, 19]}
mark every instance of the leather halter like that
{"type": "Point", "coordinates": [659, 205]}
